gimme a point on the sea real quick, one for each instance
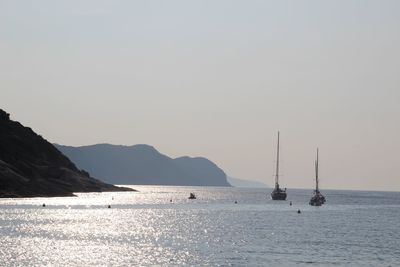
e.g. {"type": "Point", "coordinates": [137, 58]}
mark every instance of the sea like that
{"type": "Point", "coordinates": [160, 226]}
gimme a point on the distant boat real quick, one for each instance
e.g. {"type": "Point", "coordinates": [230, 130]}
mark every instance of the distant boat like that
{"type": "Point", "coordinates": [192, 196]}
{"type": "Point", "coordinates": [318, 199]}
{"type": "Point", "coordinates": [278, 193]}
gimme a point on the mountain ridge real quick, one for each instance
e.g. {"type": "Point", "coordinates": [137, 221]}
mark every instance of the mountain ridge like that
{"type": "Point", "coordinates": [236, 182]}
{"type": "Point", "coordinates": [143, 164]}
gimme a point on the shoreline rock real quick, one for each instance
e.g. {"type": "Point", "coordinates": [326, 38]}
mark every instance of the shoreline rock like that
{"type": "Point", "coordinates": [30, 166]}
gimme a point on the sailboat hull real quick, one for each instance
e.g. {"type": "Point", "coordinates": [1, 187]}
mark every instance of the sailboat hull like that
{"type": "Point", "coordinates": [278, 194]}
{"type": "Point", "coordinates": [317, 200]}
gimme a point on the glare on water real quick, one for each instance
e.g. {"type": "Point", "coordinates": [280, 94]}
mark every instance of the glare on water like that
{"type": "Point", "coordinates": [146, 228]}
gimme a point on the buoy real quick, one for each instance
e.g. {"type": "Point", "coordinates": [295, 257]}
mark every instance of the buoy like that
{"type": "Point", "coordinates": [170, 200]}
{"type": "Point", "coordinates": [235, 202]}
{"type": "Point", "coordinates": [298, 211]}
{"type": "Point", "coordinates": [44, 205]}
{"type": "Point", "coordinates": [109, 206]}
{"type": "Point", "coordinates": [290, 203]}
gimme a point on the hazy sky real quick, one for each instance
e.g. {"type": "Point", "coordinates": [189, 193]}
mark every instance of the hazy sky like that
{"type": "Point", "coordinates": [216, 79]}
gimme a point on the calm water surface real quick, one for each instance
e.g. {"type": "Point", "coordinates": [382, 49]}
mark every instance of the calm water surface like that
{"type": "Point", "coordinates": [143, 228]}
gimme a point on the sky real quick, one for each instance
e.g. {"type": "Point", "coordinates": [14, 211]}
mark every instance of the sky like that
{"type": "Point", "coordinates": [216, 79]}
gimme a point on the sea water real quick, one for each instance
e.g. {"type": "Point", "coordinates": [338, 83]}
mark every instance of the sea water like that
{"type": "Point", "coordinates": [160, 226]}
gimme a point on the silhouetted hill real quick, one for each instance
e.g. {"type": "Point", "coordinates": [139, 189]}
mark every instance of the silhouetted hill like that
{"type": "Point", "coordinates": [144, 165]}
{"type": "Point", "coordinates": [31, 167]}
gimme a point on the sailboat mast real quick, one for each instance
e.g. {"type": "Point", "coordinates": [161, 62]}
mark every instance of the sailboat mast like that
{"type": "Point", "coordinates": [316, 172]}
{"type": "Point", "coordinates": [277, 165]}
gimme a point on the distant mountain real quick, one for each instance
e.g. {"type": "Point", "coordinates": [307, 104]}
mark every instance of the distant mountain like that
{"type": "Point", "coordinates": [32, 167]}
{"type": "Point", "coordinates": [246, 183]}
{"type": "Point", "coordinates": [144, 165]}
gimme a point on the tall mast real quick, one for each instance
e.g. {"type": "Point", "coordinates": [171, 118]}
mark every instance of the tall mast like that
{"type": "Point", "coordinates": [316, 173]}
{"type": "Point", "coordinates": [277, 165]}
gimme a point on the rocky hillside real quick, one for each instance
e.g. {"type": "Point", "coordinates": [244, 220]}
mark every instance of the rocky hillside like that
{"type": "Point", "coordinates": [32, 167]}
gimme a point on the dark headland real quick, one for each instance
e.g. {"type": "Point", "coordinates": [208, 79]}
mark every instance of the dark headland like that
{"type": "Point", "coordinates": [30, 166]}
{"type": "Point", "coordinates": [144, 165]}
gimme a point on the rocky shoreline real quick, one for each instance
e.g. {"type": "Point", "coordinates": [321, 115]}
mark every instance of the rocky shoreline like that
{"type": "Point", "coordinates": [30, 166]}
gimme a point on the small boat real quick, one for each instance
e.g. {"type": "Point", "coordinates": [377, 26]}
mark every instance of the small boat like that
{"type": "Point", "coordinates": [278, 193]}
{"type": "Point", "coordinates": [318, 199]}
{"type": "Point", "coordinates": [192, 196]}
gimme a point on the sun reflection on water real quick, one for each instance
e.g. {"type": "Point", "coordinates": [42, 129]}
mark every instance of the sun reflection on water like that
{"type": "Point", "coordinates": [144, 228]}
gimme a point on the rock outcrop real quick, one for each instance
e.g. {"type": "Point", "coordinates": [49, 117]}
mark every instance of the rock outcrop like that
{"type": "Point", "coordinates": [32, 167]}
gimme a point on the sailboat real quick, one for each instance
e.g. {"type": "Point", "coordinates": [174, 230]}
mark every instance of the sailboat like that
{"type": "Point", "coordinates": [318, 199]}
{"type": "Point", "coordinates": [278, 193]}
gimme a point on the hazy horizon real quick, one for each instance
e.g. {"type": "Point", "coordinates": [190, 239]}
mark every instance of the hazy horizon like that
{"type": "Point", "coordinates": [215, 79]}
